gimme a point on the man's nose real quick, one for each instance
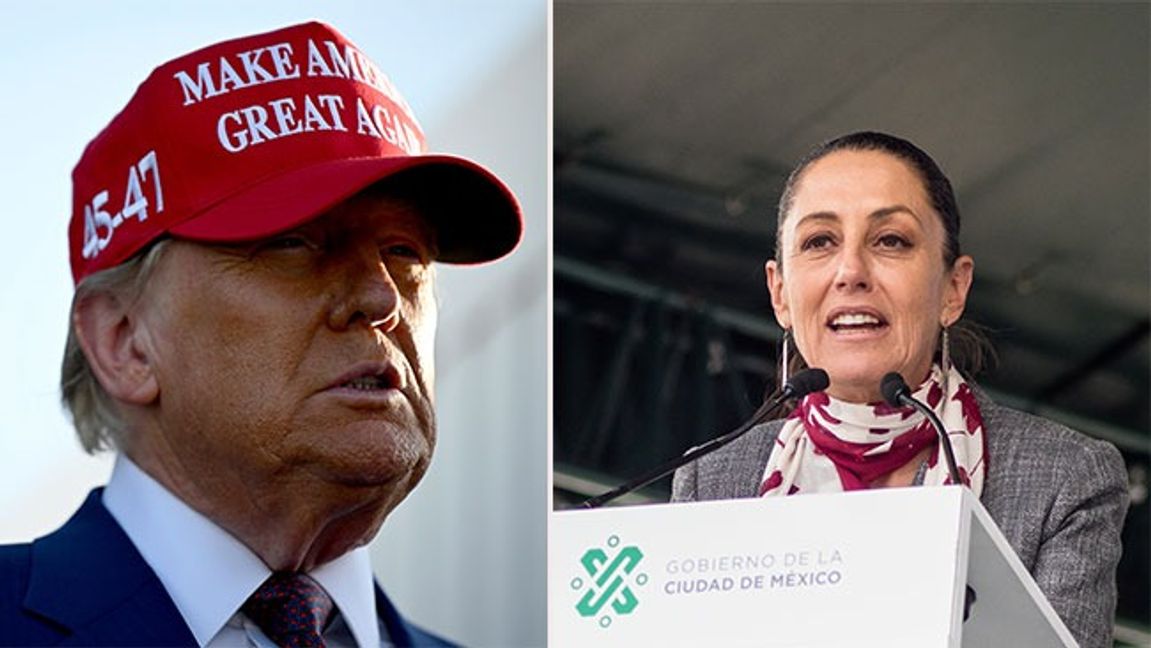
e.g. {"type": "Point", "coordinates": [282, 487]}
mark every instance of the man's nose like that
{"type": "Point", "coordinates": [368, 292]}
{"type": "Point", "coordinates": [852, 272]}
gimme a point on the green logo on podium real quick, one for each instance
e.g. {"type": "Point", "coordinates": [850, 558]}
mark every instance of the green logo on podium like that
{"type": "Point", "coordinates": [609, 580]}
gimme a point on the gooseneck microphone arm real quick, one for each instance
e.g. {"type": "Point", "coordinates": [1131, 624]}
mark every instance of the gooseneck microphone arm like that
{"type": "Point", "coordinates": [800, 385]}
{"type": "Point", "coordinates": [897, 394]}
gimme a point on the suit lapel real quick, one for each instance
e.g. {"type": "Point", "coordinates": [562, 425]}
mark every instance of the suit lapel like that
{"type": "Point", "coordinates": [89, 578]}
{"type": "Point", "coordinates": [398, 631]}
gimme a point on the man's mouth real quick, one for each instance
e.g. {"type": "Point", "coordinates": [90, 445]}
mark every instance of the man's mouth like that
{"type": "Point", "coordinates": [846, 321]}
{"type": "Point", "coordinates": [369, 377]}
{"type": "Point", "coordinates": [367, 383]}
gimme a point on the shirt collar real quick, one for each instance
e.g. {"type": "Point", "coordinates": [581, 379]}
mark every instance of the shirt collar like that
{"type": "Point", "coordinates": [207, 571]}
{"type": "Point", "coordinates": [348, 580]}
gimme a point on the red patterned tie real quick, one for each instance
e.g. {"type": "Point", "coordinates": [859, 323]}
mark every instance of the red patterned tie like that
{"type": "Point", "coordinates": [291, 609]}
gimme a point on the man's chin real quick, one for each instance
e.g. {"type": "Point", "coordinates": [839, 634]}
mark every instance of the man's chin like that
{"type": "Point", "coordinates": [364, 454]}
{"type": "Point", "coordinates": [373, 470]}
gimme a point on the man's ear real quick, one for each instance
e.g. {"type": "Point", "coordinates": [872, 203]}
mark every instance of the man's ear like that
{"type": "Point", "coordinates": [116, 344]}
{"type": "Point", "coordinates": [778, 297]}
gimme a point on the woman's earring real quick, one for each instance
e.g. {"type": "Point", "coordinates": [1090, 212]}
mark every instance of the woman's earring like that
{"type": "Point", "coordinates": [785, 358]}
{"type": "Point", "coordinates": [945, 357]}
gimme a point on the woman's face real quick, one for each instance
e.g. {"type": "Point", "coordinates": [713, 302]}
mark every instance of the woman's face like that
{"type": "Point", "coordinates": [861, 280]}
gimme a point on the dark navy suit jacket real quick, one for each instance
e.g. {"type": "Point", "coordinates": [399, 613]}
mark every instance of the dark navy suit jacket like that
{"type": "Point", "coordinates": [87, 585]}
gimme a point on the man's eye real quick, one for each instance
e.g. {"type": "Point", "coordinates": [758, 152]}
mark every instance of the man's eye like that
{"type": "Point", "coordinates": [288, 242]}
{"type": "Point", "coordinates": [403, 250]}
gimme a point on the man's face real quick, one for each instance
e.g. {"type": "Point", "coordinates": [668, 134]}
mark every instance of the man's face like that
{"type": "Point", "coordinates": [299, 360]}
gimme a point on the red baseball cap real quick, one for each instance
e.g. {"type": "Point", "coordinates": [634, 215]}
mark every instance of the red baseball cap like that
{"type": "Point", "coordinates": [257, 135]}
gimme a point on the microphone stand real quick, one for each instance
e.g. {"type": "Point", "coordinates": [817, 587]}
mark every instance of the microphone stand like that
{"type": "Point", "coordinates": [800, 385]}
{"type": "Point", "coordinates": [896, 392]}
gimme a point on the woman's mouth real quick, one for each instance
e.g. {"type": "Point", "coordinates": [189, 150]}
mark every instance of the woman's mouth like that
{"type": "Point", "coordinates": [850, 321]}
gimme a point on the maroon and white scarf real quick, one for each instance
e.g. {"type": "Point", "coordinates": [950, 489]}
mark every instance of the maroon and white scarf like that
{"type": "Point", "coordinates": [827, 445]}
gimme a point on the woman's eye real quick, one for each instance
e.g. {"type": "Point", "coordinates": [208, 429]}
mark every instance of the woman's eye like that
{"type": "Point", "coordinates": [817, 242]}
{"type": "Point", "coordinates": [893, 241]}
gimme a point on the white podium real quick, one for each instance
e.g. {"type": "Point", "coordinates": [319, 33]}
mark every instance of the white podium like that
{"type": "Point", "coordinates": [871, 568]}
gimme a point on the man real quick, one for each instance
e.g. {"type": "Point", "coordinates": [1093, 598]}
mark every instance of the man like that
{"type": "Point", "coordinates": [252, 330]}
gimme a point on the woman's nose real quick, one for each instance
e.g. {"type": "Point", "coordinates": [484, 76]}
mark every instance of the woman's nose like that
{"type": "Point", "coordinates": [852, 272]}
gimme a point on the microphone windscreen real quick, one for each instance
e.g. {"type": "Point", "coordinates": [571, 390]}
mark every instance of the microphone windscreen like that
{"type": "Point", "coordinates": [806, 382]}
{"type": "Point", "coordinates": [893, 387]}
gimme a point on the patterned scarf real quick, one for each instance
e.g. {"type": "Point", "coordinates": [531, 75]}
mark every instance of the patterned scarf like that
{"type": "Point", "coordinates": [827, 445]}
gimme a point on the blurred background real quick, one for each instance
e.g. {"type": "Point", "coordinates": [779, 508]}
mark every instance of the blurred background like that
{"type": "Point", "coordinates": [675, 126]}
{"type": "Point", "coordinates": [464, 556]}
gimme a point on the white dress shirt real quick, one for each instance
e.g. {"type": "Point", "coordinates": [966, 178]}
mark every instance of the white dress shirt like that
{"type": "Point", "coordinates": [209, 573]}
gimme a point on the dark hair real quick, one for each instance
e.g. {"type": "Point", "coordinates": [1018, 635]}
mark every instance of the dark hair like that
{"type": "Point", "coordinates": [936, 184]}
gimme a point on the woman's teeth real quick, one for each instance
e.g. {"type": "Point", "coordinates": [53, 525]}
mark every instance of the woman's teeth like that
{"type": "Point", "coordinates": [849, 320]}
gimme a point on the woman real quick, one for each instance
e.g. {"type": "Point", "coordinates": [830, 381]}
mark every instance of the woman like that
{"type": "Point", "coordinates": [868, 279]}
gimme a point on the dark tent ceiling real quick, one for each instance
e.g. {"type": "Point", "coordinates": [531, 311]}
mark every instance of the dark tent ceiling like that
{"type": "Point", "coordinates": [675, 125]}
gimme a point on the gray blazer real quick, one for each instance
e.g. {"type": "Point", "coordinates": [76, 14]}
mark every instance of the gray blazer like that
{"type": "Point", "coordinates": [1058, 496]}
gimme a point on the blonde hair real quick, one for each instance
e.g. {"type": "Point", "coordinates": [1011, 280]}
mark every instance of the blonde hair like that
{"type": "Point", "coordinates": [95, 414]}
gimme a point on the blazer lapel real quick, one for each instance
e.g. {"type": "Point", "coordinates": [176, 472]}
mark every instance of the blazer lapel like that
{"type": "Point", "coordinates": [754, 468]}
{"type": "Point", "coordinates": [736, 471]}
{"type": "Point", "coordinates": [89, 578]}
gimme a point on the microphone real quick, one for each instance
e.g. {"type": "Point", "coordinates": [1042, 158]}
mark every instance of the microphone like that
{"type": "Point", "coordinates": [800, 385]}
{"type": "Point", "coordinates": [897, 394]}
